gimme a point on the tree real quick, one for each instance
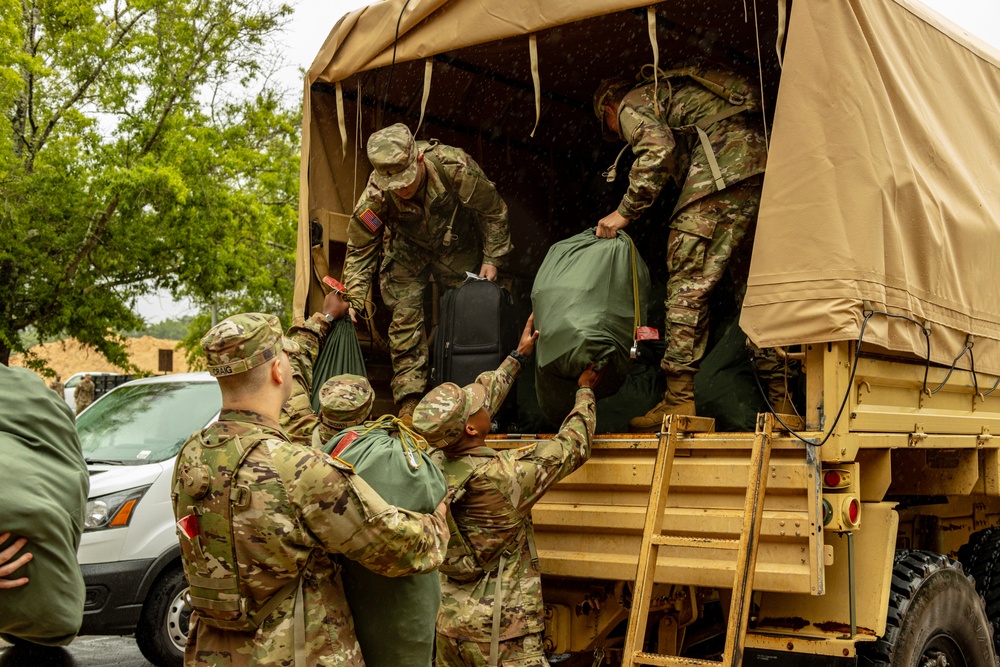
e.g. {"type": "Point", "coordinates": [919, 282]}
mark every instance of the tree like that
{"type": "Point", "coordinates": [133, 159]}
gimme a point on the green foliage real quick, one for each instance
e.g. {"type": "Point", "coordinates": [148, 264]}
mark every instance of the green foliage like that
{"type": "Point", "coordinates": [133, 159]}
{"type": "Point", "coordinates": [172, 329]}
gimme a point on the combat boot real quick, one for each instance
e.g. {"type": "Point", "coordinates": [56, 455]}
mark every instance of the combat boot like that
{"type": "Point", "coordinates": [406, 408]}
{"type": "Point", "coordinates": [678, 399]}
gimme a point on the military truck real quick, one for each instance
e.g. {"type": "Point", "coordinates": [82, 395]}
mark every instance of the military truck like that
{"type": "Point", "coordinates": [870, 530]}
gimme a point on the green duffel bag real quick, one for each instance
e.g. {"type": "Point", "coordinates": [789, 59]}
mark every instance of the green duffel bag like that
{"type": "Point", "coordinates": [589, 298]}
{"type": "Point", "coordinates": [394, 618]}
{"type": "Point", "coordinates": [341, 353]}
{"type": "Point", "coordinates": [43, 497]}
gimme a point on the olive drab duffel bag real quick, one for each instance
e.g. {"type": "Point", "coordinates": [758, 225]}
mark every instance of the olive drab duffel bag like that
{"type": "Point", "coordinates": [393, 617]}
{"type": "Point", "coordinates": [341, 353]}
{"type": "Point", "coordinates": [590, 299]}
{"type": "Point", "coordinates": [43, 498]}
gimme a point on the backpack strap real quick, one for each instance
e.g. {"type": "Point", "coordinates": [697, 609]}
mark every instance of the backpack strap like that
{"type": "Point", "coordinates": [725, 85]}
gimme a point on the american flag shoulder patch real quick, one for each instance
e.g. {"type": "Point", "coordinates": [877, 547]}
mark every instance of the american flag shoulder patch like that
{"type": "Point", "coordinates": [371, 220]}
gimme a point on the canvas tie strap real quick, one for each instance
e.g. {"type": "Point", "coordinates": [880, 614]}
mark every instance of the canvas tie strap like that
{"type": "Point", "coordinates": [428, 71]}
{"type": "Point", "coordinates": [341, 121]}
{"type": "Point", "coordinates": [533, 55]}
{"type": "Point", "coordinates": [779, 45]}
{"type": "Point", "coordinates": [497, 608]}
{"type": "Point", "coordinates": [651, 23]}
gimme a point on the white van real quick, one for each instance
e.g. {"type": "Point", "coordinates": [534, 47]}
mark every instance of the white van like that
{"type": "Point", "coordinates": [129, 552]}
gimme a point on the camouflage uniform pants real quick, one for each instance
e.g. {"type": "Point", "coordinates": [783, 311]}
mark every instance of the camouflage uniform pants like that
{"type": "Point", "coordinates": [403, 292]}
{"type": "Point", "coordinates": [703, 238]}
{"type": "Point", "coordinates": [526, 651]}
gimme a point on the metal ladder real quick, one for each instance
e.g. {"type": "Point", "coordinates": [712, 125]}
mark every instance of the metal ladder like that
{"type": "Point", "coordinates": [653, 539]}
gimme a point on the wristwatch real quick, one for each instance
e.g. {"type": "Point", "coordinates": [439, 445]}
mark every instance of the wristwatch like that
{"type": "Point", "coordinates": [328, 316]}
{"type": "Point", "coordinates": [520, 358]}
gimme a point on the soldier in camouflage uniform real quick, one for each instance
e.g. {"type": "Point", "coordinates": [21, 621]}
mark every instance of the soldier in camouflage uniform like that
{"type": "Point", "coordinates": [58, 386]}
{"type": "Point", "coordinates": [717, 206]}
{"type": "Point", "coordinates": [432, 211]}
{"type": "Point", "coordinates": [345, 401]}
{"type": "Point", "coordinates": [491, 557]}
{"type": "Point", "coordinates": [290, 508]}
{"type": "Point", "coordinates": [84, 394]}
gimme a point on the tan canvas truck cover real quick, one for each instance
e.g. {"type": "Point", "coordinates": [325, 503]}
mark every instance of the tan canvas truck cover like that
{"type": "Point", "coordinates": [882, 185]}
{"type": "Point", "coordinates": [882, 181]}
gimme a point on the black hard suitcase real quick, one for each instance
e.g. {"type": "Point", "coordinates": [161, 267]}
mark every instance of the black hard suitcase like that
{"type": "Point", "coordinates": [477, 329]}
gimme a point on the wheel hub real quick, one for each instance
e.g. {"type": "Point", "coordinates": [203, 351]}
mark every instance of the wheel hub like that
{"type": "Point", "coordinates": [941, 650]}
{"type": "Point", "coordinates": [178, 620]}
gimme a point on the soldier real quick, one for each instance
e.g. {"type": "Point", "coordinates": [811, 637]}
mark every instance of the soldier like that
{"type": "Point", "coordinates": [345, 401]}
{"type": "Point", "coordinates": [433, 212]}
{"type": "Point", "coordinates": [58, 386]}
{"type": "Point", "coordinates": [700, 136]}
{"type": "Point", "coordinates": [84, 394]}
{"type": "Point", "coordinates": [259, 518]}
{"type": "Point", "coordinates": [491, 555]}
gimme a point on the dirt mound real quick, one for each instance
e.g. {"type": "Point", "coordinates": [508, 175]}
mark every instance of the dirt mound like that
{"type": "Point", "coordinates": [67, 356]}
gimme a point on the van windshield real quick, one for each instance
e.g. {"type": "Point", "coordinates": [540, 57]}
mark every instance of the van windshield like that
{"type": "Point", "coordinates": [146, 423]}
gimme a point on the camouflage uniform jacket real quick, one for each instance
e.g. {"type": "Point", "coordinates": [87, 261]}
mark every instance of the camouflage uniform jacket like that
{"type": "Point", "coordinates": [413, 232]}
{"type": "Point", "coordinates": [298, 419]}
{"type": "Point", "coordinates": [494, 515]}
{"type": "Point", "coordinates": [304, 506]}
{"type": "Point", "coordinates": [669, 149]}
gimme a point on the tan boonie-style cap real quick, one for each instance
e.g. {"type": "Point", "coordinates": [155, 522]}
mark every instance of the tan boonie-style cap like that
{"type": "Point", "coordinates": [244, 341]}
{"type": "Point", "coordinates": [393, 155]}
{"type": "Point", "coordinates": [441, 415]}
{"type": "Point", "coordinates": [345, 401]}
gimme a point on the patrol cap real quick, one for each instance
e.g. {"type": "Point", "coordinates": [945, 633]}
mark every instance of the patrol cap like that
{"type": "Point", "coordinates": [393, 155]}
{"type": "Point", "coordinates": [607, 91]}
{"type": "Point", "coordinates": [244, 341]}
{"type": "Point", "coordinates": [345, 401]}
{"type": "Point", "coordinates": [441, 415]}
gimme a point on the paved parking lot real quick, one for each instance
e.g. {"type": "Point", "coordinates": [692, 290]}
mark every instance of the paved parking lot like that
{"type": "Point", "coordinates": [83, 652]}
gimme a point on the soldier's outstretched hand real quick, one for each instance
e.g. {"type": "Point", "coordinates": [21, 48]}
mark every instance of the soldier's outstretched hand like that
{"type": "Point", "coordinates": [589, 378]}
{"type": "Point", "coordinates": [608, 226]}
{"type": "Point", "coordinates": [7, 567]}
{"type": "Point", "coordinates": [488, 271]}
{"type": "Point", "coordinates": [528, 337]}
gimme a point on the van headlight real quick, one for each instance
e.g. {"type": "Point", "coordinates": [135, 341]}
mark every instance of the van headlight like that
{"type": "Point", "coordinates": [113, 510]}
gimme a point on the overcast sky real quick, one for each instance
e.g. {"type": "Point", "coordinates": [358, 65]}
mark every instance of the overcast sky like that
{"type": "Point", "coordinates": [313, 20]}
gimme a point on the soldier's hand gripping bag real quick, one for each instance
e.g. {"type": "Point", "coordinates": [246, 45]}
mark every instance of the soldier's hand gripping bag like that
{"type": "Point", "coordinates": [393, 617]}
{"type": "Point", "coordinates": [341, 354]}
{"type": "Point", "coordinates": [43, 497]}
{"type": "Point", "coordinates": [589, 296]}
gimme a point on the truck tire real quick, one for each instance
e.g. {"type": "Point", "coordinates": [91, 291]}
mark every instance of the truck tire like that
{"type": "Point", "coordinates": [935, 617]}
{"type": "Point", "coordinates": [163, 625]}
{"type": "Point", "coordinates": [981, 559]}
